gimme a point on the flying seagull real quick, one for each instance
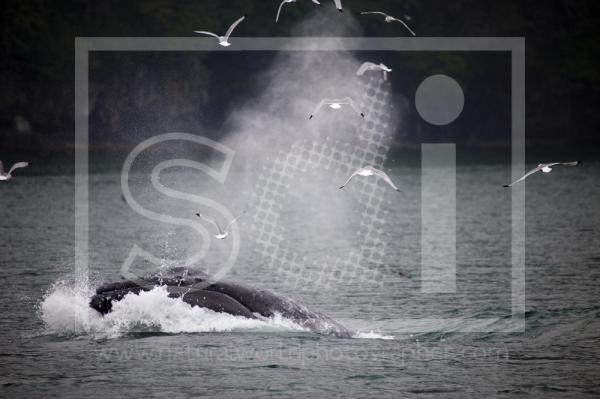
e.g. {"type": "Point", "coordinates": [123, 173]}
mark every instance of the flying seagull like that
{"type": "Point", "coordinates": [7, 176]}
{"type": "Point", "coordinates": [369, 66]}
{"type": "Point", "coordinates": [390, 19]}
{"type": "Point", "coordinates": [338, 5]}
{"type": "Point", "coordinates": [222, 234]}
{"type": "Point", "coordinates": [370, 171]}
{"type": "Point", "coordinates": [337, 104]}
{"type": "Point", "coordinates": [544, 167]}
{"type": "Point", "coordinates": [289, 1]}
{"type": "Point", "coordinates": [223, 40]}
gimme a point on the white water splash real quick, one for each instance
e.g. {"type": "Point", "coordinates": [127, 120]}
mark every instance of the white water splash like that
{"type": "Point", "coordinates": [372, 335]}
{"type": "Point", "coordinates": [65, 311]}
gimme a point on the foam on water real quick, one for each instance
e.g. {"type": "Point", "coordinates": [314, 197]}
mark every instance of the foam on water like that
{"type": "Point", "coordinates": [372, 335]}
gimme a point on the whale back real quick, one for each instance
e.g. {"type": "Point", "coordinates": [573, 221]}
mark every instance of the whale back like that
{"type": "Point", "coordinates": [267, 304]}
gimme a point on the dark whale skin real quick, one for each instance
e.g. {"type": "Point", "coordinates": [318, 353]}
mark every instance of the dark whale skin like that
{"type": "Point", "coordinates": [221, 296]}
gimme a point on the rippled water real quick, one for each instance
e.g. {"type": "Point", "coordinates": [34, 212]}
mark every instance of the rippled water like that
{"type": "Point", "coordinates": [152, 346]}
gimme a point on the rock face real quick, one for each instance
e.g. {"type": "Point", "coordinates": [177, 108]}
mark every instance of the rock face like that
{"type": "Point", "coordinates": [221, 296]}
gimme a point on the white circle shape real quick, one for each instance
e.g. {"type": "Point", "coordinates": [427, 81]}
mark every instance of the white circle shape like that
{"type": "Point", "coordinates": [439, 100]}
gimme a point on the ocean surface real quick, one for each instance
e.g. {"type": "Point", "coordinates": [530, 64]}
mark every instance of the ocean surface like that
{"type": "Point", "coordinates": [53, 345]}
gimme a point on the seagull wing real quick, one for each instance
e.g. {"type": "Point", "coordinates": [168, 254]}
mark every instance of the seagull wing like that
{"type": "Point", "coordinates": [354, 106]}
{"type": "Point", "coordinates": [321, 103]}
{"type": "Point", "coordinates": [316, 2]}
{"type": "Point", "coordinates": [209, 220]}
{"type": "Point", "coordinates": [17, 166]}
{"type": "Point", "coordinates": [364, 67]}
{"type": "Point", "coordinates": [384, 176]}
{"type": "Point", "coordinates": [406, 26]}
{"type": "Point", "coordinates": [525, 176]}
{"type": "Point", "coordinates": [338, 4]}
{"type": "Point", "coordinates": [350, 178]}
{"type": "Point", "coordinates": [234, 220]}
{"type": "Point", "coordinates": [279, 10]}
{"type": "Point", "coordinates": [232, 27]}
{"type": "Point", "coordinates": [374, 12]}
{"type": "Point", "coordinates": [201, 32]}
{"type": "Point", "coordinates": [574, 163]}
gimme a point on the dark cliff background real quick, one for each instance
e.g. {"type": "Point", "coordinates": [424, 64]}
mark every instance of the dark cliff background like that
{"type": "Point", "coordinates": [37, 66]}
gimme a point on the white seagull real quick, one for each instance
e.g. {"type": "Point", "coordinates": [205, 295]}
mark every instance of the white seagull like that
{"type": "Point", "coordinates": [544, 167]}
{"type": "Point", "coordinates": [390, 19]}
{"type": "Point", "coordinates": [338, 5]}
{"type": "Point", "coordinates": [337, 104]}
{"type": "Point", "coordinates": [223, 40]}
{"type": "Point", "coordinates": [289, 1]}
{"type": "Point", "coordinates": [369, 66]}
{"type": "Point", "coordinates": [371, 171]}
{"type": "Point", "coordinates": [222, 234]}
{"type": "Point", "coordinates": [7, 176]}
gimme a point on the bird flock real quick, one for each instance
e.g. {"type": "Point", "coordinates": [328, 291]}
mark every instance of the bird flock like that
{"type": "Point", "coordinates": [334, 104]}
{"type": "Point", "coordinates": [224, 40]}
{"type": "Point", "coordinates": [337, 104]}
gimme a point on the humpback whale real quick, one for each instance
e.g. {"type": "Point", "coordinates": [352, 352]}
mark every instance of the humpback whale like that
{"type": "Point", "coordinates": [196, 289]}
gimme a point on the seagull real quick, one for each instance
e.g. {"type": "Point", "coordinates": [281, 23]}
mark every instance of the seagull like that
{"type": "Point", "coordinates": [544, 167]}
{"type": "Point", "coordinates": [222, 233]}
{"type": "Point", "coordinates": [7, 176]}
{"type": "Point", "coordinates": [369, 66]}
{"type": "Point", "coordinates": [223, 40]}
{"type": "Point", "coordinates": [338, 5]}
{"type": "Point", "coordinates": [370, 171]}
{"type": "Point", "coordinates": [390, 19]}
{"type": "Point", "coordinates": [289, 1]}
{"type": "Point", "coordinates": [337, 104]}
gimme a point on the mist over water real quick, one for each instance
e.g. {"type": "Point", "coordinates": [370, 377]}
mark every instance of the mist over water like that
{"type": "Point", "coordinates": [297, 81]}
{"type": "Point", "coordinates": [315, 216]}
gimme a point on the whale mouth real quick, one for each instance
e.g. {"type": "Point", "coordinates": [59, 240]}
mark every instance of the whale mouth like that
{"type": "Point", "coordinates": [65, 312]}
